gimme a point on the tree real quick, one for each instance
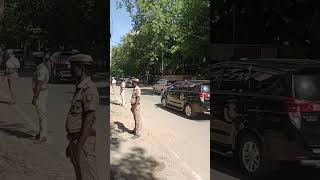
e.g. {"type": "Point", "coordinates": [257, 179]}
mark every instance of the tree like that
{"type": "Point", "coordinates": [176, 28]}
{"type": "Point", "coordinates": [78, 23]}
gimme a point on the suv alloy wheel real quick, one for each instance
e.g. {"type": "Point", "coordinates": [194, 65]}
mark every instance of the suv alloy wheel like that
{"type": "Point", "coordinates": [188, 111]}
{"type": "Point", "coordinates": [252, 158]}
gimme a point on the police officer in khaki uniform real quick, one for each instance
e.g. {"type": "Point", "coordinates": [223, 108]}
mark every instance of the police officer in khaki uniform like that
{"type": "Point", "coordinates": [122, 92]}
{"type": "Point", "coordinates": [80, 124]}
{"type": "Point", "coordinates": [40, 94]}
{"type": "Point", "coordinates": [135, 108]}
{"type": "Point", "coordinates": [11, 73]}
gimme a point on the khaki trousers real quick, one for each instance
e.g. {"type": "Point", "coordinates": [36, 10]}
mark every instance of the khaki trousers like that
{"type": "Point", "coordinates": [137, 120]}
{"type": "Point", "coordinates": [86, 168]}
{"type": "Point", "coordinates": [122, 97]}
{"type": "Point", "coordinates": [41, 106]}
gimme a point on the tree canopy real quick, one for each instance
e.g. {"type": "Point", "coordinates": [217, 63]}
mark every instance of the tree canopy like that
{"type": "Point", "coordinates": [177, 30]}
{"type": "Point", "coordinates": [74, 22]}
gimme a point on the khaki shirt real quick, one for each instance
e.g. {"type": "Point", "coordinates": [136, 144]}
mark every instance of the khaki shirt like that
{"type": "Point", "coordinates": [85, 99]}
{"type": "Point", "coordinates": [41, 74]}
{"type": "Point", "coordinates": [12, 65]}
{"type": "Point", "coordinates": [135, 94]}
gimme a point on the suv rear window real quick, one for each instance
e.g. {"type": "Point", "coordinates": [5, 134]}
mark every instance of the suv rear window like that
{"type": "Point", "coordinates": [307, 86]}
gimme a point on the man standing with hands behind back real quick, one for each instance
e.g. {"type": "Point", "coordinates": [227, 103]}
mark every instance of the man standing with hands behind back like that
{"type": "Point", "coordinates": [80, 124]}
{"type": "Point", "coordinates": [40, 94]}
{"type": "Point", "coordinates": [135, 108]}
{"type": "Point", "coordinates": [11, 73]}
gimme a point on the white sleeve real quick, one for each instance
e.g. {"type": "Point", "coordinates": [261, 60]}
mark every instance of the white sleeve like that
{"type": "Point", "coordinates": [17, 64]}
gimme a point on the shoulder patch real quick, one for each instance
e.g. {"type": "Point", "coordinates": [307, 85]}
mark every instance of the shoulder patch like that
{"type": "Point", "coordinates": [90, 97]}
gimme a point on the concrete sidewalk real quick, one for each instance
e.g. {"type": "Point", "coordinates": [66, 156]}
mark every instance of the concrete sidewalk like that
{"type": "Point", "coordinates": [19, 157]}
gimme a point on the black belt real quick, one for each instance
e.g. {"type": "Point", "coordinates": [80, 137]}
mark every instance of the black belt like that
{"type": "Point", "coordinates": [73, 136]}
{"type": "Point", "coordinates": [77, 135]}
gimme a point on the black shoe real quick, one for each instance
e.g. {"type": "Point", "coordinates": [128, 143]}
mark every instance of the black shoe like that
{"type": "Point", "coordinates": [135, 136]}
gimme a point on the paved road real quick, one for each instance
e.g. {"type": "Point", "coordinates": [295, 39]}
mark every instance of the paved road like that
{"type": "Point", "coordinates": [188, 140]}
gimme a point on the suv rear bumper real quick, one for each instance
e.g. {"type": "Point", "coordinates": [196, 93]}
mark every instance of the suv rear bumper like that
{"type": "Point", "coordinates": [202, 107]}
{"type": "Point", "coordinates": [278, 147]}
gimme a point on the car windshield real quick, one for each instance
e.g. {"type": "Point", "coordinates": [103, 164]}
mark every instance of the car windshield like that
{"type": "Point", "coordinates": [307, 86]}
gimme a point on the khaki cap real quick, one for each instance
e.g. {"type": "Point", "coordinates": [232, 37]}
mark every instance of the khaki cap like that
{"type": "Point", "coordinates": [81, 58]}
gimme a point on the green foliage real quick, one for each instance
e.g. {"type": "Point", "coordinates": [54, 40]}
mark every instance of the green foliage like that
{"type": "Point", "coordinates": [178, 29]}
{"type": "Point", "coordinates": [76, 22]}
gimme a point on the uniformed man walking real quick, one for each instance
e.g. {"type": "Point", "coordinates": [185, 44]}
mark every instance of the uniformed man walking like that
{"type": "Point", "coordinates": [122, 92]}
{"type": "Point", "coordinates": [113, 85]}
{"type": "Point", "coordinates": [135, 108]}
{"type": "Point", "coordinates": [40, 94]}
{"type": "Point", "coordinates": [80, 124]}
{"type": "Point", "coordinates": [11, 74]}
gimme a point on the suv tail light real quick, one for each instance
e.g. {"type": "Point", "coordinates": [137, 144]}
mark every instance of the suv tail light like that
{"type": "Point", "coordinates": [301, 106]}
{"type": "Point", "coordinates": [203, 96]}
{"type": "Point", "coordinates": [296, 107]}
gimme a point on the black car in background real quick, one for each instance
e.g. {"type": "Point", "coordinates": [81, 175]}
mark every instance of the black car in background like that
{"type": "Point", "coordinates": [190, 97]}
{"type": "Point", "coordinates": [265, 111]}
{"type": "Point", "coordinates": [59, 66]}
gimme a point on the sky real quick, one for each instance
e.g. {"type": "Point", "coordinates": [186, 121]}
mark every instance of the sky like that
{"type": "Point", "coordinates": [120, 23]}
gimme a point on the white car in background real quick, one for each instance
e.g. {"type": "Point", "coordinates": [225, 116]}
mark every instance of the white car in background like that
{"type": "Point", "coordinates": [162, 85]}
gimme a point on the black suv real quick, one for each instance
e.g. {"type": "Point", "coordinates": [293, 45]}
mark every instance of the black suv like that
{"type": "Point", "coordinates": [191, 97]}
{"type": "Point", "coordinates": [265, 111]}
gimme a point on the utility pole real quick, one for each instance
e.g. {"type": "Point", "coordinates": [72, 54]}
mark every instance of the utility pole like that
{"type": "Point", "coordinates": [162, 65]}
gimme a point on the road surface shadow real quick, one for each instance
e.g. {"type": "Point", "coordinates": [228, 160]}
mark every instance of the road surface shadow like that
{"type": "Point", "coordinates": [200, 117]}
{"type": "Point", "coordinates": [122, 127]}
{"type": "Point", "coordinates": [115, 102]}
{"type": "Point", "coordinates": [292, 171]}
{"type": "Point", "coordinates": [4, 102]}
{"type": "Point", "coordinates": [115, 139]}
{"type": "Point", "coordinates": [13, 130]}
{"type": "Point", "coordinates": [135, 166]}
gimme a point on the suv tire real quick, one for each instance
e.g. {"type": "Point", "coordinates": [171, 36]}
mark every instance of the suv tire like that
{"type": "Point", "coordinates": [188, 111]}
{"type": "Point", "coordinates": [252, 158]}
